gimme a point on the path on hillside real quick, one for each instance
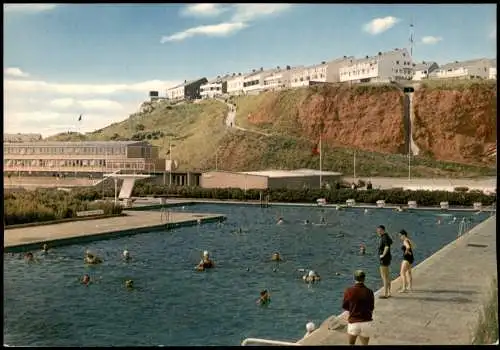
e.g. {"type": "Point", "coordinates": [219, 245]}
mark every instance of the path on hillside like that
{"type": "Point", "coordinates": [231, 120]}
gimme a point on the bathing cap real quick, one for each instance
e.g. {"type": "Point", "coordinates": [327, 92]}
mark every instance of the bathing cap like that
{"type": "Point", "coordinates": [312, 273]}
{"type": "Point", "coordinates": [310, 326]}
{"type": "Point", "coordinates": [125, 252]}
{"type": "Point", "coordinates": [205, 253]}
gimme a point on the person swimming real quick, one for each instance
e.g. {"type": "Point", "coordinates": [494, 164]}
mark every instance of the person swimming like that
{"type": "Point", "coordinates": [399, 209]}
{"type": "Point", "coordinates": [265, 298]}
{"type": "Point", "coordinates": [126, 255]}
{"type": "Point", "coordinates": [280, 221]}
{"type": "Point", "coordinates": [129, 284]}
{"type": "Point", "coordinates": [322, 220]}
{"type": "Point", "coordinates": [311, 277]}
{"type": "Point", "coordinates": [338, 207]}
{"type": "Point", "coordinates": [366, 211]}
{"type": "Point", "coordinates": [85, 280]}
{"type": "Point", "coordinates": [205, 263]}
{"type": "Point", "coordinates": [306, 222]}
{"type": "Point", "coordinates": [29, 257]}
{"type": "Point", "coordinates": [276, 257]}
{"type": "Point", "coordinates": [362, 249]}
{"type": "Point", "coordinates": [91, 259]}
{"type": "Point", "coordinates": [45, 249]}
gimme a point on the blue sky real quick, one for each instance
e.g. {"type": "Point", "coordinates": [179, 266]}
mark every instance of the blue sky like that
{"type": "Point", "coordinates": [100, 60]}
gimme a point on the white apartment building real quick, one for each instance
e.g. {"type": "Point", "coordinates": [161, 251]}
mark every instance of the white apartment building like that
{"type": "Point", "coordinates": [189, 90]}
{"type": "Point", "coordinates": [214, 88]}
{"type": "Point", "coordinates": [386, 66]}
{"type": "Point", "coordinates": [280, 79]}
{"type": "Point", "coordinates": [235, 84]}
{"type": "Point", "coordinates": [471, 69]}
{"type": "Point", "coordinates": [423, 70]}
{"type": "Point", "coordinates": [254, 83]}
{"type": "Point", "coordinates": [325, 72]}
{"type": "Point", "coordinates": [176, 92]}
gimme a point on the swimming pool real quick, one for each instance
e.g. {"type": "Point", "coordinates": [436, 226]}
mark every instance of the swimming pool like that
{"type": "Point", "coordinates": [44, 304]}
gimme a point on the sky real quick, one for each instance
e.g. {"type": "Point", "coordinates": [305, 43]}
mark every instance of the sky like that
{"type": "Point", "coordinates": [101, 60]}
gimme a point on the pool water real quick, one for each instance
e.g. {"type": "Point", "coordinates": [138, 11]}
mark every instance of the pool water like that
{"type": "Point", "coordinates": [45, 305]}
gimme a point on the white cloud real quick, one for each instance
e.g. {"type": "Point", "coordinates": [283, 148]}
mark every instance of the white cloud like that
{"type": "Point", "coordinates": [28, 7]}
{"type": "Point", "coordinates": [431, 40]}
{"type": "Point", "coordinates": [204, 10]}
{"type": "Point", "coordinates": [380, 25]}
{"type": "Point", "coordinates": [221, 29]}
{"type": "Point", "coordinates": [242, 14]}
{"type": "Point", "coordinates": [250, 12]}
{"type": "Point", "coordinates": [15, 72]}
{"type": "Point", "coordinates": [50, 107]}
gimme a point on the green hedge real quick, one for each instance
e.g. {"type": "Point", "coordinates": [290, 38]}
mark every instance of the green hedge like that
{"type": "Point", "coordinates": [47, 205]}
{"type": "Point", "coordinates": [391, 196]}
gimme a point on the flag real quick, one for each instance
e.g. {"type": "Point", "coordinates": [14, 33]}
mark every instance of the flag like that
{"type": "Point", "coordinates": [80, 118]}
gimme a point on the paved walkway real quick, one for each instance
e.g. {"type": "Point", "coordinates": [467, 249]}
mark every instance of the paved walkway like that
{"type": "Point", "coordinates": [449, 289]}
{"type": "Point", "coordinates": [134, 220]}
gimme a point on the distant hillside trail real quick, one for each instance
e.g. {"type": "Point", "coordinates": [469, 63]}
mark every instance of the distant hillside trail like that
{"type": "Point", "coordinates": [231, 120]}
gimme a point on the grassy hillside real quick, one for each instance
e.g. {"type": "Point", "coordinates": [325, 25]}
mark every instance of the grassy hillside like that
{"type": "Point", "coordinates": [198, 133]}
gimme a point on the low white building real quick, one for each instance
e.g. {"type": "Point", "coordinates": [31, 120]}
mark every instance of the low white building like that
{"type": "Point", "coordinates": [384, 67]}
{"type": "Point", "coordinates": [189, 90]}
{"type": "Point", "coordinates": [254, 83]}
{"type": "Point", "coordinates": [325, 72]}
{"type": "Point", "coordinates": [176, 92]}
{"type": "Point", "coordinates": [279, 79]}
{"type": "Point", "coordinates": [235, 84]}
{"type": "Point", "coordinates": [423, 70]}
{"type": "Point", "coordinates": [471, 69]}
{"type": "Point", "coordinates": [214, 88]}
{"type": "Point", "coordinates": [493, 69]}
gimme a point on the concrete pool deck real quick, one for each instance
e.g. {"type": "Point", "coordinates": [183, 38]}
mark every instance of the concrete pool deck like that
{"type": "Point", "coordinates": [449, 290]}
{"type": "Point", "coordinates": [31, 238]}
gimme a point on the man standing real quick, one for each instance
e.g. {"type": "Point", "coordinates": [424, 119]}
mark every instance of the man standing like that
{"type": "Point", "coordinates": [384, 251]}
{"type": "Point", "coordinates": [359, 302]}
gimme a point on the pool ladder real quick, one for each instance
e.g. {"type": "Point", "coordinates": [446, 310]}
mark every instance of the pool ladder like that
{"type": "Point", "coordinates": [463, 227]}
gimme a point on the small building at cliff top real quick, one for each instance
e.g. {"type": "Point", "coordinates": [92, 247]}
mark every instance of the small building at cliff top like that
{"type": "Point", "coordinates": [268, 179]}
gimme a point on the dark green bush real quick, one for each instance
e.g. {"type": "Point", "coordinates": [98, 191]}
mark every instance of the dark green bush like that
{"type": "Point", "coordinates": [48, 204]}
{"type": "Point", "coordinates": [461, 189]}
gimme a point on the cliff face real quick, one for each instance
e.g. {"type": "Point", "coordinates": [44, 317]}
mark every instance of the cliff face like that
{"type": "Point", "coordinates": [454, 121]}
{"type": "Point", "coordinates": [458, 123]}
{"type": "Point", "coordinates": [365, 117]}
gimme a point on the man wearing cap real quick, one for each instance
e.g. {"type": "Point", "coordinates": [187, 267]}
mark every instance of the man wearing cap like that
{"type": "Point", "coordinates": [359, 302]}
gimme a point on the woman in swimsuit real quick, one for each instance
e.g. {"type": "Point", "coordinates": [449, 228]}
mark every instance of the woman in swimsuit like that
{"type": "Point", "coordinates": [408, 260]}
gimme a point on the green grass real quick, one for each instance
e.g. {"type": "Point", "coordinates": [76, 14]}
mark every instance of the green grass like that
{"type": "Point", "coordinates": [457, 84]}
{"type": "Point", "coordinates": [486, 332]}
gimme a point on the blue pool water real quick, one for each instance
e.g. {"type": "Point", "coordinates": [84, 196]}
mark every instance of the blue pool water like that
{"type": "Point", "coordinates": [44, 304]}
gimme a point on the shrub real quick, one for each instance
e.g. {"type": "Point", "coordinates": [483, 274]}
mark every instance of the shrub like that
{"type": "Point", "coordinates": [47, 205]}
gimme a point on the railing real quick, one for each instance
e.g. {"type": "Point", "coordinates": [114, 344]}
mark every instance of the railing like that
{"type": "Point", "coordinates": [267, 342]}
{"type": "Point", "coordinates": [463, 227]}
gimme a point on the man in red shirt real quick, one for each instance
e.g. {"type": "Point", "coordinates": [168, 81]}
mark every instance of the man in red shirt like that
{"type": "Point", "coordinates": [359, 301]}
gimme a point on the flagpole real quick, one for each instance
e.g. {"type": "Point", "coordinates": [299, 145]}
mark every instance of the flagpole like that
{"type": "Point", "coordinates": [320, 162]}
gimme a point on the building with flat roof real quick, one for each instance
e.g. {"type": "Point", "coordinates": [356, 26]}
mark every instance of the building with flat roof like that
{"type": "Point", "coordinates": [189, 90]}
{"type": "Point", "coordinates": [254, 83]}
{"type": "Point", "coordinates": [215, 87]}
{"type": "Point", "coordinates": [471, 69]}
{"type": "Point", "coordinates": [384, 67]}
{"type": "Point", "coordinates": [424, 70]}
{"type": "Point", "coordinates": [88, 157]}
{"type": "Point", "coordinates": [269, 179]}
{"type": "Point", "coordinates": [325, 72]}
{"type": "Point", "coordinates": [235, 84]}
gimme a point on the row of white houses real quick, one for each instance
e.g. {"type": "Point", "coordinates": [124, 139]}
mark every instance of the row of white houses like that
{"type": "Point", "coordinates": [395, 65]}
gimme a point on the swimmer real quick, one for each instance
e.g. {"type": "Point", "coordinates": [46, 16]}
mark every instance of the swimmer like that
{"type": "Point", "coordinates": [280, 221]}
{"type": "Point", "coordinates": [322, 220]}
{"type": "Point", "coordinates": [276, 257]}
{"type": "Point", "coordinates": [306, 222]}
{"type": "Point", "coordinates": [438, 222]}
{"type": "Point", "coordinates": [29, 257]}
{"type": "Point", "coordinates": [310, 327]}
{"type": "Point", "coordinates": [454, 219]}
{"type": "Point", "coordinates": [399, 209]}
{"type": "Point", "coordinates": [85, 280]}
{"type": "Point", "coordinates": [338, 207]}
{"type": "Point", "coordinates": [91, 259]}
{"type": "Point", "coordinates": [366, 211]}
{"type": "Point", "coordinates": [126, 255]}
{"type": "Point", "coordinates": [205, 263]}
{"type": "Point", "coordinates": [129, 284]}
{"type": "Point", "coordinates": [45, 249]}
{"type": "Point", "coordinates": [265, 298]}
{"type": "Point", "coordinates": [362, 249]}
{"type": "Point", "coordinates": [311, 277]}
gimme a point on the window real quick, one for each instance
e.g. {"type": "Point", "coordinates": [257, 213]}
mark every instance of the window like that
{"type": "Point", "coordinates": [397, 62]}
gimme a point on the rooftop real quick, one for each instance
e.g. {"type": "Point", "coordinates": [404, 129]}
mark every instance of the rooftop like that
{"type": "Point", "coordinates": [423, 65]}
{"type": "Point", "coordinates": [187, 82]}
{"type": "Point", "coordinates": [291, 173]}
{"type": "Point", "coordinates": [468, 63]}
